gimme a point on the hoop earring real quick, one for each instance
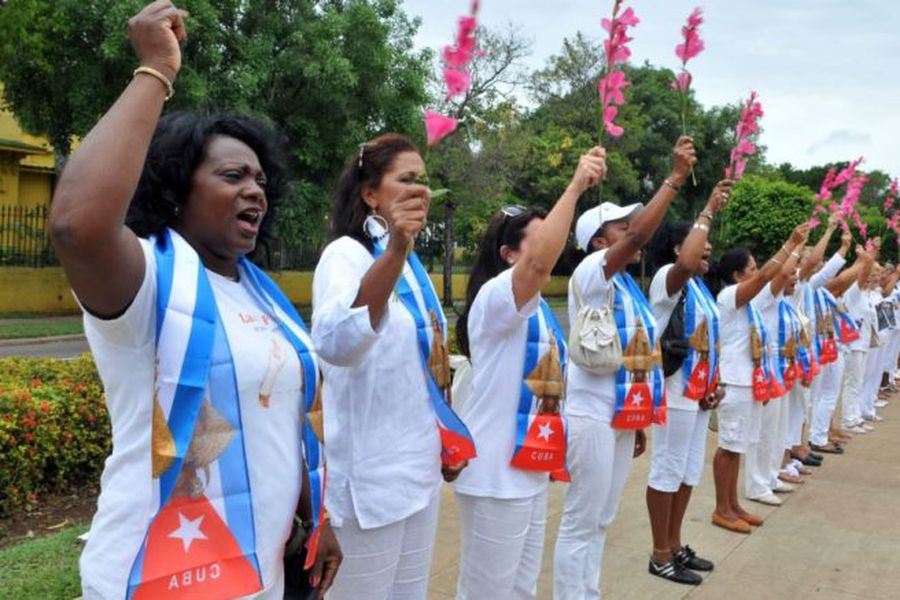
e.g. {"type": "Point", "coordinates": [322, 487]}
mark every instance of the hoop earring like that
{"type": "Point", "coordinates": [375, 226]}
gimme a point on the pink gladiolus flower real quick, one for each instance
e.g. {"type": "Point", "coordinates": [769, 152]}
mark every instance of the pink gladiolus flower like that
{"type": "Point", "coordinates": [458, 82]}
{"type": "Point", "coordinates": [438, 126]}
{"type": "Point", "coordinates": [813, 223]}
{"type": "Point", "coordinates": [894, 191]}
{"type": "Point", "coordinates": [611, 128]}
{"type": "Point", "coordinates": [612, 85]}
{"type": "Point", "coordinates": [695, 19]}
{"type": "Point", "coordinates": [617, 52]}
{"type": "Point", "coordinates": [870, 245]}
{"type": "Point", "coordinates": [682, 82]}
{"type": "Point", "coordinates": [743, 147]}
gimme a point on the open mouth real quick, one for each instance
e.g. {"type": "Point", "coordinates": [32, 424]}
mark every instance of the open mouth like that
{"type": "Point", "coordinates": [250, 220]}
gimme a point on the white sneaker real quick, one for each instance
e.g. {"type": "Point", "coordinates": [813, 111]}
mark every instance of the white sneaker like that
{"type": "Point", "coordinates": [856, 429]}
{"type": "Point", "coordinates": [874, 418]}
{"type": "Point", "coordinates": [868, 428]}
{"type": "Point", "coordinates": [783, 488]}
{"type": "Point", "coordinates": [770, 499]}
{"type": "Point", "coordinates": [880, 404]}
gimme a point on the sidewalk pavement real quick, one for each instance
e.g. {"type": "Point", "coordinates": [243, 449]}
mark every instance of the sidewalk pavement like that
{"type": "Point", "coordinates": [836, 537]}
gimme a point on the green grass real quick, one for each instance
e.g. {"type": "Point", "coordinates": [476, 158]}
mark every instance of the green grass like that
{"type": "Point", "coordinates": [42, 568]}
{"type": "Point", "coordinates": [39, 328]}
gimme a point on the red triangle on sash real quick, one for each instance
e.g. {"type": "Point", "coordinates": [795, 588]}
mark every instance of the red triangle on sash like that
{"type": "Point", "coordinates": [637, 410]}
{"type": "Point", "coordinates": [790, 376]}
{"type": "Point", "coordinates": [455, 448]}
{"type": "Point", "coordinates": [561, 475]}
{"type": "Point", "coordinates": [848, 334]}
{"type": "Point", "coordinates": [760, 385]}
{"type": "Point", "coordinates": [829, 351]}
{"type": "Point", "coordinates": [776, 390]}
{"type": "Point", "coordinates": [696, 387]}
{"type": "Point", "coordinates": [544, 446]}
{"type": "Point", "coordinates": [191, 553]}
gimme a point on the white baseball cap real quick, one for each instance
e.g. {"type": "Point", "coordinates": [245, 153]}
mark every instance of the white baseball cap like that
{"type": "Point", "coordinates": [592, 220]}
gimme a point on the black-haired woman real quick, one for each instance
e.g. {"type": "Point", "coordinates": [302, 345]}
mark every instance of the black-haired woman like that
{"type": "Point", "coordinates": [745, 369]}
{"type": "Point", "coordinates": [518, 352]}
{"type": "Point", "coordinates": [206, 365]}
{"type": "Point", "coordinates": [380, 330]}
{"type": "Point", "coordinates": [604, 409]}
{"type": "Point", "coordinates": [678, 447]}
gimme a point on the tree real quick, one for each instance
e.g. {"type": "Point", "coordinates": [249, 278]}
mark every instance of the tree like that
{"type": "Point", "coordinates": [761, 215]}
{"type": "Point", "coordinates": [330, 75]}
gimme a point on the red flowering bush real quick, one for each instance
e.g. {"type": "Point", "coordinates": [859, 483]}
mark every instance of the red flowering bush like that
{"type": "Point", "coordinates": [54, 429]}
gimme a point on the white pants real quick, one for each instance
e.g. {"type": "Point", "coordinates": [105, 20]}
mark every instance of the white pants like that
{"type": "Point", "coordinates": [677, 450]}
{"type": "Point", "coordinates": [502, 546]}
{"type": "Point", "coordinates": [386, 562]}
{"type": "Point", "coordinates": [851, 388]}
{"type": "Point", "coordinates": [797, 400]}
{"type": "Point", "coordinates": [757, 475]}
{"type": "Point", "coordinates": [599, 459]}
{"type": "Point", "coordinates": [828, 396]}
{"type": "Point", "coordinates": [776, 457]}
{"type": "Point", "coordinates": [871, 380]}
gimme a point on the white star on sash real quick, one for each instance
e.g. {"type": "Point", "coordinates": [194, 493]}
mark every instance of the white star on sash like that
{"type": "Point", "coordinates": [701, 372]}
{"type": "Point", "coordinates": [545, 432]}
{"type": "Point", "coordinates": [638, 399]}
{"type": "Point", "coordinates": [760, 378]}
{"type": "Point", "coordinates": [188, 531]}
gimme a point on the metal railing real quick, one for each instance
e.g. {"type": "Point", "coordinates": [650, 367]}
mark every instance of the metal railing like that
{"type": "Point", "coordinates": [24, 237]}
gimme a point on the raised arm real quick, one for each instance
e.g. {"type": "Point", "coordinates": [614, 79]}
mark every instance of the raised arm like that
{"type": "Point", "coordinates": [817, 253]}
{"type": "Point", "coordinates": [532, 271]}
{"type": "Point", "coordinates": [642, 227]}
{"type": "Point", "coordinates": [890, 281]}
{"type": "Point", "coordinates": [749, 288]}
{"type": "Point", "coordinates": [781, 279]}
{"type": "Point", "coordinates": [834, 264]}
{"type": "Point", "coordinates": [858, 273]}
{"type": "Point", "coordinates": [100, 255]}
{"type": "Point", "coordinates": [694, 245]}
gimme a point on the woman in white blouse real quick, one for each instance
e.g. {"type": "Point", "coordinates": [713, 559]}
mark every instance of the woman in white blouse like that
{"type": "Point", "coordinates": [678, 447]}
{"type": "Point", "coordinates": [744, 358]}
{"type": "Point", "coordinates": [602, 438]}
{"type": "Point", "coordinates": [518, 359]}
{"type": "Point", "coordinates": [374, 315]}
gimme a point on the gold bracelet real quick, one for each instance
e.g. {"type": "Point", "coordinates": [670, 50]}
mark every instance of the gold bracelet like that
{"type": "Point", "coordinates": [170, 89]}
{"type": "Point", "coordinates": [677, 188]}
{"type": "Point", "coordinates": [702, 226]}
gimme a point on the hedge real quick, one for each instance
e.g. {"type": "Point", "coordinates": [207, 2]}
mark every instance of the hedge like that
{"type": "Point", "coordinates": [54, 428]}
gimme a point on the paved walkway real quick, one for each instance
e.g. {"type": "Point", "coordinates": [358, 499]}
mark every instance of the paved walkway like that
{"type": "Point", "coordinates": [837, 537]}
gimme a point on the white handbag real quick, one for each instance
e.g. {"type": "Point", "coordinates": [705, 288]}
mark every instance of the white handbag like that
{"type": "Point", "coordinates": [594, 343]}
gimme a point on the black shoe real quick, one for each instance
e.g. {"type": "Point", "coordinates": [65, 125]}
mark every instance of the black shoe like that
{"type": "Point", "coordinates": [674, 572]}
{"type": "Point", "coordinates": [688, 559]}
{"type": "Point", "coordinates": [810, 461]}
{"type": "Point", "coordinates": [817, 456]}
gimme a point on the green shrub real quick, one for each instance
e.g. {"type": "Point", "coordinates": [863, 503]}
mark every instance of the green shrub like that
{"type": "Point", "coordinates": [54, 428]}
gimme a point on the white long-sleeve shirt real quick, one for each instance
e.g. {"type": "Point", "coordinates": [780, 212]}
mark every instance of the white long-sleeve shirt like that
{"type": "Point", "coordinates": [381, 438]}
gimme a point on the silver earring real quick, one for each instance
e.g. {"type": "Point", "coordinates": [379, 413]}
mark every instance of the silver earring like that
{"type": "Point", "coordinates": [375, 226]}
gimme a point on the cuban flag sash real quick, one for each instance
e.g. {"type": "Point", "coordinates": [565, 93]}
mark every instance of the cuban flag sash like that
{"type": "Point", "coordinates": [825, 328]}
{"type": "Point", "coordinates": [759, 354]}
{"type": "Point", "coordinates": [700, 369]}
{"type": "Point", "coordinates": [541, 432]}
{"type": "Point", "coordinates": [804, 366]}
{"type": "Point", "coordinates": [843, 322]}
{"type": "Point", "coordinates": [201, 541]}
{"type": "Point", "coordinates": [809, 310]}
{"type": "Point", "coordinates": [640, 396]}
{"type": "Point", "coordinates": [457, 444]}
{"type": "Point", "coordinates": [270, 296]}
{"type": "Point", "coordinates": [788, 345]}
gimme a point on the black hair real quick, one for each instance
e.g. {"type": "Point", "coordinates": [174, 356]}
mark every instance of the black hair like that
{"type": "Point", "coordinates": [733, 261]}
{"type": "Point", "coordinates": [661, 250]}
{"type": "Point", "coordinates": [176, 150]}
{"type": "Point", "coordinates": [501, 231]}
{"type": "Point", "coordinates": [366, 167]}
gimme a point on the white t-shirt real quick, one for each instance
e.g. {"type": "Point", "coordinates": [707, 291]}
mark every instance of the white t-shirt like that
{"type": "Point", "coordinates": [589, 394]}
{"type": "Point", "coordinates": [663, 306]}
{"type": "Point", "coordinates": [858, 307]}
{"type": "Point", "coordinates": [125, 353]}
{"type": "Point", "coordinates": [735, 364]}
{"type": "Point", "coordinates": [497, 337]}
{"type": "Point", "coordinates": [381, 437]}
{"type": "Point", "coordinates": [767, 305]}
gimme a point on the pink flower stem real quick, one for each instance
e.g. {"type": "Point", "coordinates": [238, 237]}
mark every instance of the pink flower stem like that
{"type": "Point", "coordinates": [684, 108]}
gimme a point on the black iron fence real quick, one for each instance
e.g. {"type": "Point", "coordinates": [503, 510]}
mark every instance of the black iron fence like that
{"type": "Point", "coordinates": [24, 238]}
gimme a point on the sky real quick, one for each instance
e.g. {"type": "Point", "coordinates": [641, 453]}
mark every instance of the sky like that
{"type": "Point", "coordinates": [827, 71]}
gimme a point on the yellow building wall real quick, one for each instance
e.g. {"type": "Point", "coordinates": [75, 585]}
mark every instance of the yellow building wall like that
{"type": "Point", "coordinates": [35, 187]}
{"type": "Point", "coordinates": [9, 178]}
{"type": "Point", "coordinates": [47, 290]}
